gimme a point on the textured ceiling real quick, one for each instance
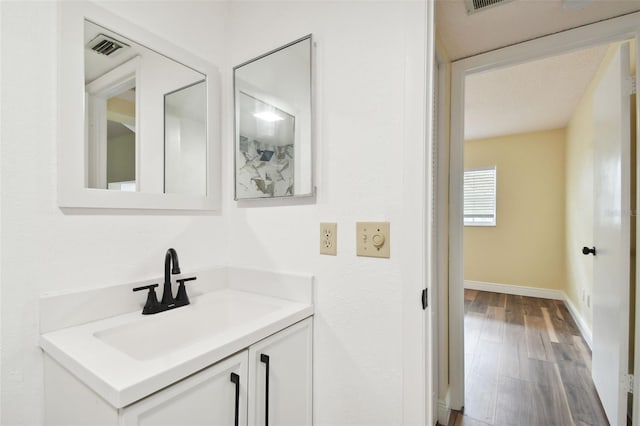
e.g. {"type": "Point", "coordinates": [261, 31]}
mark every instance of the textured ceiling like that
{"type": "Point", "coordinates": [538, 95]}
{"type": "Point", "coordinates": [514, 22]}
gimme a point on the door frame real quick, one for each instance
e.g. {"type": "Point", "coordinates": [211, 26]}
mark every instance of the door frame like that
{"type": "Point", "coordinates": [440, 266]}
{"type": "Point", "coordinates": [609, 31]}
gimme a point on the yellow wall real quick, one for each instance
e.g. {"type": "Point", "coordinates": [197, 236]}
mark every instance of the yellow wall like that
{"type": "Point", "coordinates": [121, 111]}
{"type": "Point", "coordinates": [121, 158]}
{"type": "Point", "coordinates": [579, 209]}
{"type": "Point", "coordinates": [527, 247]}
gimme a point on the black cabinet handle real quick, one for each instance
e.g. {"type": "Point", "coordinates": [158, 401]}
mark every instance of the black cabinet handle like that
{"type": "Point", "coordinates": [587, 251]}
{"type": "Point", "coordinates": [236, 380]}
{"type": "Point", "coordinates": [265, 359]}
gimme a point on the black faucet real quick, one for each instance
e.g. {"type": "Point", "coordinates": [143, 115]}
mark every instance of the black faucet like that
{"type": "Point", "coordinates": [171, 258]}
{"type": "Point", "coordinates": [171, 266]}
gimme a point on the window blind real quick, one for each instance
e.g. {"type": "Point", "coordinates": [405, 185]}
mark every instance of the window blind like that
{"type": "Point", "coordinates": [480, 197]}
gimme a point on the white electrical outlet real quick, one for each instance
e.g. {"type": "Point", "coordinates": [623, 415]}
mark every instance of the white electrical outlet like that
{"type": "Point", "coordinates": [373, 239]}
{"type": "Point", "coordinates": [329, 238]}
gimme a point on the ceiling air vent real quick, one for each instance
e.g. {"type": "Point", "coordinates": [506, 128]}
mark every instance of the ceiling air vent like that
{"type": "Point", "coordinates": [105, 45]}
{"type": "Point", "coordinates": [475, 6]}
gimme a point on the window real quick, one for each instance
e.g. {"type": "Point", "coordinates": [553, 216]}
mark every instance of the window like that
{"type": "Point", "coordinates": [480, 197]}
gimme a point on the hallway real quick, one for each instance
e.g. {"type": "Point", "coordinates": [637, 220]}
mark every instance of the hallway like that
{"type": "Point", "coordinates": [525, 364]}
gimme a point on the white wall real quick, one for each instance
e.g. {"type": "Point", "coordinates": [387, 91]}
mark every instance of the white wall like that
{"type": "Point", "coordinates": [371, 100]}
{"type": "Point", "coordinates": [370, 73]}
{"type": "Point", "coordinates": [47, 249]}
{"type": "Point", "coordinates": [185, 166]}
{"type": "Point", "coordinates": [158, 76]}
{"type": "Point", "coordinates": [1, 204]}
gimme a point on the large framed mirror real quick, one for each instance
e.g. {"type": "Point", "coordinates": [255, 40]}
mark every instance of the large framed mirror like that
{"type": "Point", "coordinates": [138, 117]}
{"type": "Point", "coordinates": [273, 123]}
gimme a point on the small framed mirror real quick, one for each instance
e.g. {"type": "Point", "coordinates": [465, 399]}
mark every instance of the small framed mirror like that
{"type": "Point", "coordinates": [273, 123]}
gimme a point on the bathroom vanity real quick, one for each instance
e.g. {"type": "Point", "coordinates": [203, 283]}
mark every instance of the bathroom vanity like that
{"type": "Point", "coordinates": [140, 129]}
{"type": "Point", "coordinates": [239, 354]}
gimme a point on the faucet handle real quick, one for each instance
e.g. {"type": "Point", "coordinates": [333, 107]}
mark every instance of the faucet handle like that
{"type": "Point", "coordinates": [152, 306]}
{"type": "Point", "coordinates": [181, 297]}
{"type": "Point", "coordinates": [145, 287]}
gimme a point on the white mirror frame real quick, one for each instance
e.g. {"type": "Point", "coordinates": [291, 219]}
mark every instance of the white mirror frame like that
{"type": "Point", "coordinates": [71, 145]}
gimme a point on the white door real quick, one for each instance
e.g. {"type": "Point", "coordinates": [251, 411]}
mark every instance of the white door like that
{"type": "Point", "coordinates": [216, 396]}
{"type": "Point", "coordinates": [612, 236]}
{"type": "Point", "coordinates": [280, 376]}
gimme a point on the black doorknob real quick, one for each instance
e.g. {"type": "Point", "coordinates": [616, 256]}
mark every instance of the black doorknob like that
{"type": "Point", "coordinates": [587, 250]}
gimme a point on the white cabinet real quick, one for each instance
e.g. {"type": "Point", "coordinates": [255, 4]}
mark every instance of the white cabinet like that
{"type": "Point", "coordinates": [231, 392]}
{"type": "Point", "coordinates": [216, 396]}
{"type": "Point", "coordinates": [280, 378]}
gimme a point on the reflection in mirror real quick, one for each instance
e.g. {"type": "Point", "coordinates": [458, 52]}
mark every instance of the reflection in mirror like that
{"type": "Point", "coordinates": [185, 136]}
{"type": "Point", "coordinates": [125, 81]}
{"type": "Point", "coordinates": [273, 153]}
{"type": "Point", "coordinates": [121, 141]}
{"type": "Point", "coordinates": [267, 148]}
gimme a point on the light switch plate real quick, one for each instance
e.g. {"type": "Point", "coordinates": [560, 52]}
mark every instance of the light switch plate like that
{"type": "Point", "coordinates": [373, 239]}
{"type": "Point", "coordinates": [329, 238]}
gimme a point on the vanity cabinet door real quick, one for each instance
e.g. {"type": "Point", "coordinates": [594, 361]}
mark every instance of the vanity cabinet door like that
{"type": "Point", "coordinates": [280, 375]}
{"type": "Point", "coordinates": [216, 396]}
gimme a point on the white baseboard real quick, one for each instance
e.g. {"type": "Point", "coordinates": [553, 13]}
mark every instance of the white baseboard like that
{"type": "Point", "coordinates": [544, 293]}
{"type": "Point", "coordinates": [444, 412]}
{"type": "Point", "coordinates": [580, 322]}
{"type": "Point", "coordinates": [518, 290]}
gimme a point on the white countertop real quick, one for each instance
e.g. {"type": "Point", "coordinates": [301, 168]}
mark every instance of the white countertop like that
{"type": "Point", "coordinates": [127, 357]}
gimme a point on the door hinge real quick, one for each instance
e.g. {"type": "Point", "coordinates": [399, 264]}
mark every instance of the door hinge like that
{"type": "Point", "coordinates": [633, 85]}
{"type": "Point", "coordinates": [628, 382]}
{"type": "Point", "coordinates": [425, 298]}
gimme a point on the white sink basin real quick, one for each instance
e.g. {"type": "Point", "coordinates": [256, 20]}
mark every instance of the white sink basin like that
{"type": "Point", "coordinates": [156, 335]}
{"type": "Point", "coordinates": [127, 357]}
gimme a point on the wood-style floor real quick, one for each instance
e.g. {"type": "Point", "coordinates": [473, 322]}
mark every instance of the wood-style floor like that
{"type": "Point", "coordinates": [526, 364]}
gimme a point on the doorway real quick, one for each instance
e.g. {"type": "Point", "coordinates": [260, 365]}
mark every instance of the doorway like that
{"type": "Point", "coordinates": [585, 37]}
